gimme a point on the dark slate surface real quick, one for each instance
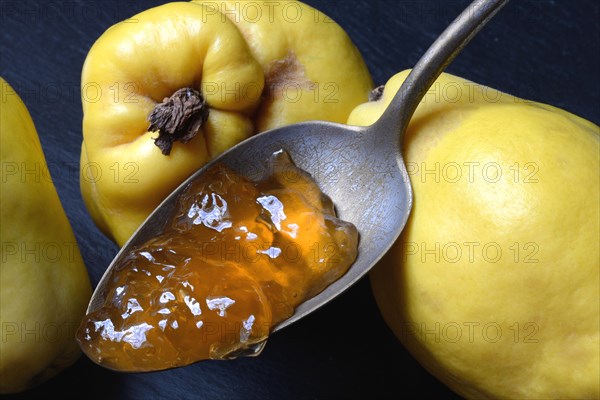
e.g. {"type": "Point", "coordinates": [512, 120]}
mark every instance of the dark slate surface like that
{"type": "Point", "coordinates": [540, 50]}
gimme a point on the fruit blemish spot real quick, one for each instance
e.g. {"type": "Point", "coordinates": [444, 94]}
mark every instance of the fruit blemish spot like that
{"type": "Point", "coordinates": [236, 258]}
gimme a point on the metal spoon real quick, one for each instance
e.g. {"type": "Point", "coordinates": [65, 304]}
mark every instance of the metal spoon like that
{"type": "Point", "coordinates": [360, 168]}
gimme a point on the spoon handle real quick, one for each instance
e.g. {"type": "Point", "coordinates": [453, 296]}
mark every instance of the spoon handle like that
{"type": "Point", "coordinates": [439, 55]}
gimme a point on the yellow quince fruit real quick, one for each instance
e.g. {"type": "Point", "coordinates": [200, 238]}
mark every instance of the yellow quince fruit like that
{"type": "Point", "coordinates": [169, 89]}
{"type": "Point", "coordinates": [494, 284]}
{"type": "Point", "coordinates": [44, 285]}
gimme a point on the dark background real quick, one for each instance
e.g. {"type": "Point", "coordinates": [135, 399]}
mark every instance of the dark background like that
{"type": "Point", "coordinates": [540, 50]}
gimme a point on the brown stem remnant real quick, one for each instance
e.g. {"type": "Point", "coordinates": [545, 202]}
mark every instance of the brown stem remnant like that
{"type": "Point", "coordinates": [376, 93]}
{"type": "Point", "coordinates": [178, 118]}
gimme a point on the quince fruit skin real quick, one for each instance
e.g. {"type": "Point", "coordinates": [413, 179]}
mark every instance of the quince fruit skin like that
{"type": "Point", "coordinates": [494, 284]}
{"type": "Point", "coordinates": [44, 285]}
{"type": "Point", "coordinates": [258, 69]}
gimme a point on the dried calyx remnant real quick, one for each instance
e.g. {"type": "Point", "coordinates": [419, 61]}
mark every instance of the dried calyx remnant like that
{"type": "Point", "coordinates": [376, 93]}
{"type": "Point", "coordinates": [178, 118]}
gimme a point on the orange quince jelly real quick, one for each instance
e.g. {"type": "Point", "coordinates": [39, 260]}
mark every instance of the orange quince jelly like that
{"type": "Point", "coordinates": [235, 260]}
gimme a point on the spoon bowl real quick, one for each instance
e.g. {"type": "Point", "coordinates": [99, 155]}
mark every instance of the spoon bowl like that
{"type": "Point", "coordinates": [360, 168]}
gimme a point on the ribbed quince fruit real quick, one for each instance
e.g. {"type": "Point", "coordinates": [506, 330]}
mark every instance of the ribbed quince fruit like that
{"type": "Point", "coordinates": [494, 284]}
{"type": "Point", "coordinates": [44, 285]}
{"type": "Point", "coordinates": [172, 87]}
